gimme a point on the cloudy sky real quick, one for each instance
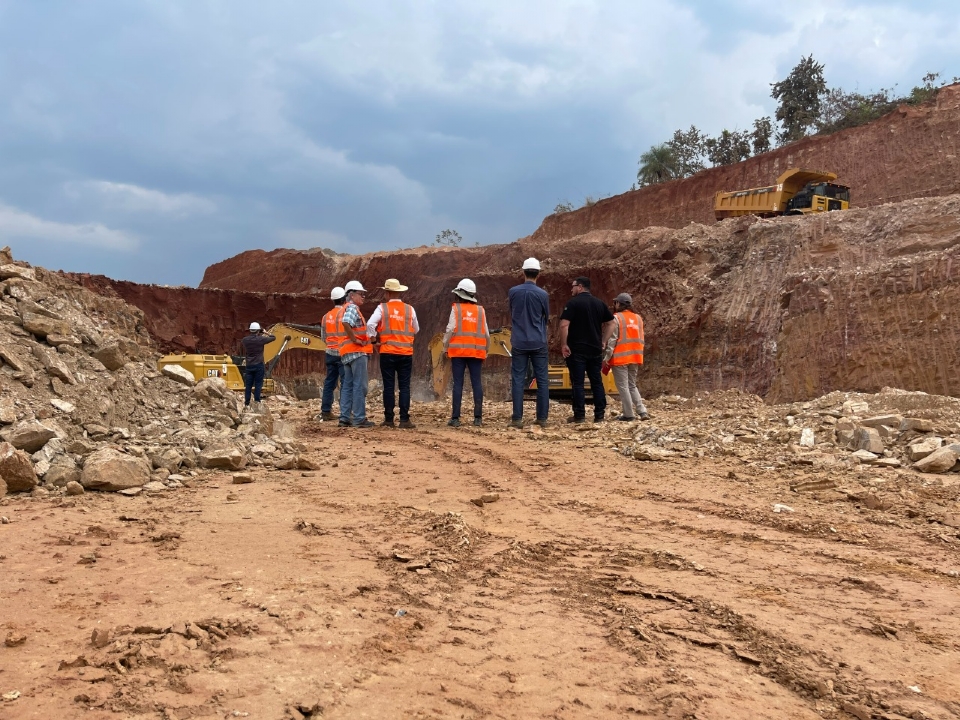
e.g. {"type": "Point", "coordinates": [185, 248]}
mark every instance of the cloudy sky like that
{"type": "Point", "coordinates": [147, 139]}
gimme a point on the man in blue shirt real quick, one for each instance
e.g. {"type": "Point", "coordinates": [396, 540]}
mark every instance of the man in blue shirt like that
{"type": "Point", "coordinates": [529, 312]}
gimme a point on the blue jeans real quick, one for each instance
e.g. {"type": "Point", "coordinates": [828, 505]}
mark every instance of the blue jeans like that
{"type": "Point", "coordinates": [580, 365]}
{"type": "Point", "coordinates": [252, 382]}
{"type": "Point", "coordinates": [518, 372]}
{"type": "Point", "coordinates": [353, 393]}
{"type": "Point", "coordinates": [460, 365]}
{"type": "Point", "coordinates": [399, 368]}
{"type": "Point", "coordinates": [334, 373]}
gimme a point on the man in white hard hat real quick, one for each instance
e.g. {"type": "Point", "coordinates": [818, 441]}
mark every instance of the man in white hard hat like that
{"type": "Point", "coordinates": [253, 365]}
{"type": "Point", "coordinates": [394, 324]}
{"type": "Point", "coordinates": [529, 313]}
{"type": "Point", "coordinates": [330, 334]}
{"type": "Point", "coordinates": [354, 351]}
{"type": "Point", "coordinates": [465, 342]}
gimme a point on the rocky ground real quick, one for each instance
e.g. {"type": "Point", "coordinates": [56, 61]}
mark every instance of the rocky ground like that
{"type": "Point", "coordinates": [163, 555]}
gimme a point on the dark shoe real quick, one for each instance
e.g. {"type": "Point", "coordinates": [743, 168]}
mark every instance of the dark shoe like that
{"type": "Point", "coordinates": [364, 424]}
{"type": "Point", "coordinates": [453, 422]}
{"type": "Point", "coordinates": [541, 423]}
{"type": "Point", "coordinates": [478, 422]}
{"type": "Point", "coordinates": [343, 423]}
{"type": "Point", "coordinates": [407, 425]}
{"type": "Point", "coordinates": [624, 418]}
{"type": "Point", "coordinates": [388, 423]}
{"type": "Point", "coordinates": [327, 416]}
{"type": "Point", "coordinates": [599, 418]}
{"type": "Point", "coordinates": [576, 420]}
{"type": "Point", "coordinates": [644, 416]}
{"type": "Point", "coordinates": [516, 424]}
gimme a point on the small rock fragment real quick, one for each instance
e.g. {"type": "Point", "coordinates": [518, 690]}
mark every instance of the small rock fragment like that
{"type": "Point", "coordinates": [242, 478]}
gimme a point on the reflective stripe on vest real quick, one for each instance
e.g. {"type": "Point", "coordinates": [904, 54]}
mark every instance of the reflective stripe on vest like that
{"type": "Point", "coordinates": [629, 348]}
{"type": "Point", "coordinates": [331, 324]}
{"type": "Point", "coordinates": [468, 339]}
{"type": "Point", "coordinates": [396, 328]}
{"type": "Point", "coordinates": [346, 346]}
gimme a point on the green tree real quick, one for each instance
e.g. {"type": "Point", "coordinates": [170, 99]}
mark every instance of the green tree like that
{"type": "Point", "coordinates": [448, 237]}
{"type": "Point", "coordinates": [728, 148]}
{"type": "Point", "coordinates": [564, 206]}
{"type": "Point", "coordinates": [689, 149]}
{"type": "Point", "coordinates": [760, 137]}
{"type": "Point", "coordinates": [657, 165]}
{"type": "Point", "coordinates": [799, 96]}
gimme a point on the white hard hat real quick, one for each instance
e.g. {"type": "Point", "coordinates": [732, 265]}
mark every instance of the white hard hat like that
{"type": "Point", "coordinates": [254, 326]}
{"type": "Point", "coordinates": [531, 264]}
{"type": "Point", "coordinates": [467, 285]}
{"type": "Point", "coordinates": [337, 293]}
{"type": "Point", "coordinates": [354, 285]}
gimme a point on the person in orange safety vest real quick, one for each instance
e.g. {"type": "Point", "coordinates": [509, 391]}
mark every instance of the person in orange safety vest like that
{"type": "Point", "coordinates": [465, 342]}
{"type": "Point", "coordinates": [394, 324]}
{"type": "Point", "coordinates": [330, 334]}
{"type": "Point", "coordinates": [623, 354]}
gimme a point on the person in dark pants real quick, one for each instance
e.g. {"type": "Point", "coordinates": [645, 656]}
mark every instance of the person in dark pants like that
{"type": "Point", "coordinates": [330, 334]}
{"type": "Point", "coordinates": [394, 324]}
{"type": "Point", "coordinates": [465, 342]}
{"type": "Point", "coordinates": [529, 313]}
{"type": "Point", "coordinates": [254, 370]}
{"type": "Point", "coordinates": [584, 323]}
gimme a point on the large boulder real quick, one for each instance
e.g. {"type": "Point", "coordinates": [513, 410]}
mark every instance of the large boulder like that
{"type": "Point", "coordinates": [54, 366]}
{"type": "Point", "coordinates": [212, 388]}
{"type": "Point", "coordinates": [30, 435]}
{"type": "Point", "coordinates": [180, 374]}
{"type": "Point", "coordinates": [111, 470]}
{"type": "Point", "coordinates": [939, 461]}
{"type": "Point", "coordinates": [41, 325]}
{"type": "Point", "coordinates": [62, 472]}
{"type": "Point", "coordinates": [112, 357]}
{"type": "Point", "coordinates": [16, 469]}
{"type": "Point", "coordinates": [226, 458]}
{"type": "Point", "coordinates": [868, 438]}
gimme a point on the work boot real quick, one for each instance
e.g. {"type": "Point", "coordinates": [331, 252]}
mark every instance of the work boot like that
{"type": "Point", "coordinates": [624, 418]}
{"type": "Point", "coordinates": [599, 418]}
{"type": "Point", "coordinates": [407, 425]}
{"type": "Point", "coordinates": [541, 423]}
{"type": "Point", "coordinates": [478, 422]}
{"type": "Point", "coordinates": [343, 423]}
{"type": "Point", "coordinates": [364, 424]}
{"type": "Point", "coordinates": [516, 424]}
{"type": "Point", "coordinates": [388, 423]}
{"type": "Point", "coordinates": [644, 416]}
{"type": "Point", "coordinates": [453, 422]}
{"type": "Point", "coordinates": [576, 420]}
{"type": "Point", "coordinates": [327, 416]}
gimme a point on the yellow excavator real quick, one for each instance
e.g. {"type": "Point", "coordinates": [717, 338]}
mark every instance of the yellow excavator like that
{"type": "Point", "coordinates": [230, 367]}
{"type": "Point", "coordinates": [558, 376]}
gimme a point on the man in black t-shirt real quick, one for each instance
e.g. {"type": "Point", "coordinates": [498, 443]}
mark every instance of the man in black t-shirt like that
{"type": "Point", "coordinates": [585, 323]}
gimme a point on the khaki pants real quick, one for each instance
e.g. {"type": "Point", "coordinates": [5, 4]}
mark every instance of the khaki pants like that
{"type": "Point", "coordinates": [625, 376]}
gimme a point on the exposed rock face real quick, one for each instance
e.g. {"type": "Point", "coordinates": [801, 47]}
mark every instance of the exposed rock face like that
{"type": "Point", "coordinates": [788, 308]}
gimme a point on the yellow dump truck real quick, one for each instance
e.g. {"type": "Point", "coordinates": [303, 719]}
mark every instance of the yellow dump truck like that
{"type": "Point", "coordinates": [230, 367]}
{"type": "Point", "coordinates": [797, 192]}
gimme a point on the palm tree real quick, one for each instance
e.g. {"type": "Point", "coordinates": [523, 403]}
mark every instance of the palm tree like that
{"type": "Point", "coordinates": [657, 165]}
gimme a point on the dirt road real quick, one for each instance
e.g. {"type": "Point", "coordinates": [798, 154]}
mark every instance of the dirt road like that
{"type": "Point", "coordinates": [593, 586]}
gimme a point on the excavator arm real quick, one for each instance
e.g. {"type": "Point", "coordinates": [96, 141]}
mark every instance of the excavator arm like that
{"type": "Point", "coordinates": [304, 337]}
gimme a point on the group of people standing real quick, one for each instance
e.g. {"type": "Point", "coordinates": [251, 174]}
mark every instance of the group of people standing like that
{"type": "Point", "coordinates": [593, 341]}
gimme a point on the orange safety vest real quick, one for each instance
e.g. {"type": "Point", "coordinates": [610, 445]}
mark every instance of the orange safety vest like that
{"type": "Point", "coordinates": [468, 339]}
{"type": "Point", "coordinates": [396, 328]}
{"type": "Point", "coordinates": [360, 333]}
{"type": "Point", "coordinates": [629, 348]}
{"type": "Point", "coordinates": [331, 324]}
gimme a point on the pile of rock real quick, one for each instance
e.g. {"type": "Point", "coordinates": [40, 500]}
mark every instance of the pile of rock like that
{"type": "Point", "coordinates": [82, 405]}
{"type": "Point", "coordinates": [890, 429]}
